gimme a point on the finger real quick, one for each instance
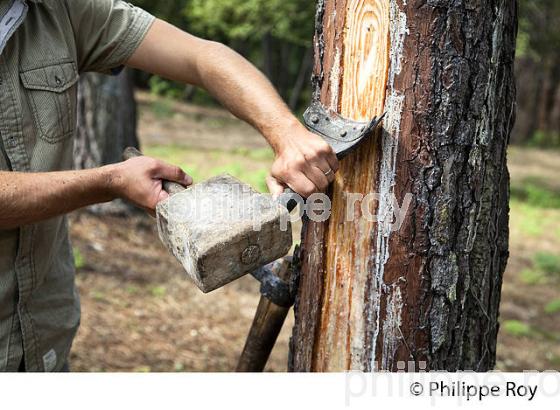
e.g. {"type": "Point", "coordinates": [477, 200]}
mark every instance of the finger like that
{"type": "Point", "coordinates": [325, 168]}
{"type": "Point", "coordinates": [172, 173]}
{"type": "Point", "coordinates": [301, 184]}
{"type": "Point", "coordinates": [332, 160]}
{"type": "Point", "coordinates": [274, 187]}
{"type": "Point", "coordinates": [318, 177]}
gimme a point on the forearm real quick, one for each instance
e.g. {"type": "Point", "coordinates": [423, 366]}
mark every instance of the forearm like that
{"type": "Point", "coordinates": [247, 93]}
{"type": "Point", "coordinates": [236, 83]}
{"type": "Point", "coordinates": [27, 198]}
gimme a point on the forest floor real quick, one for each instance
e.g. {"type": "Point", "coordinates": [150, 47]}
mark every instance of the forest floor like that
{"type": "Point", "coordinates": [139, 313]}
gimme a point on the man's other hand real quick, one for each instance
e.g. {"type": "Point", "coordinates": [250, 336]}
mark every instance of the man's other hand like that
{"type": "Point", "coordinates": [139, 180]}
{"type": "Point", "coordinates": [304, 162]}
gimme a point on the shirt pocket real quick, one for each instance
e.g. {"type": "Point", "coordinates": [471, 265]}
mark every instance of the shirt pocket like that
{"type": "Point", "coordinates": [51, 91]}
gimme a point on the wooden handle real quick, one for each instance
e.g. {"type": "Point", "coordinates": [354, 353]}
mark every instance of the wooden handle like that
{"type": "Point", "coordinates": [292, 203]}
{"type": "Point", "coordinates": [266, 327]}
{"type": "Point", "coordinates": [171, 188]}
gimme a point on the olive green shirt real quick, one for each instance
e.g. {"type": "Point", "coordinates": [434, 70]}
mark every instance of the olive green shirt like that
{"type": "Point", "coordinates": [44, 45]}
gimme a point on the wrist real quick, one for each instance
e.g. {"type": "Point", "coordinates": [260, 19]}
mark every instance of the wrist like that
{"type": "Point", "coordinates": [110, 181]}
{"type": "Point", "coordinates": [281, 135]}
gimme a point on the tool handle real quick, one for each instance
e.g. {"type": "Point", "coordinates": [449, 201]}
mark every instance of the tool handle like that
{"type": "Point", "coordinates": [292, 203]}
{"type": "Point", "coordinates": [171, 188]}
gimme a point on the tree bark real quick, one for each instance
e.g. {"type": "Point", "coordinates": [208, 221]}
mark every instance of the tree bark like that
{"type": "Point", "coordinates": [426, 295]}
{"type": "Point", "coordinates": [107, 121]}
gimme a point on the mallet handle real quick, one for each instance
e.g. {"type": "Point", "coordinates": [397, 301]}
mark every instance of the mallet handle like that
{"type": "Point", "coordinates": [171, 188]}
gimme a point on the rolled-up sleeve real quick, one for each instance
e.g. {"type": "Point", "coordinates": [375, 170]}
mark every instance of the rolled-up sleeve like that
{"type": "Point", "coordinates": [107, 32]}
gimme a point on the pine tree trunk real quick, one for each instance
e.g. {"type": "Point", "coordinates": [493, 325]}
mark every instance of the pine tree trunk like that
{"type": "Point", "coordinates": [372, 296]}
{"type": "Point", "coordinates": [106, 123]}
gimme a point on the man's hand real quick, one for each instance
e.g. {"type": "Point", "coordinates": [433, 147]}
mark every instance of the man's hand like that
{"type": "Point", "coordinates": [27, 198]}
{"type": "Point", "coordinates": [304, 162]}
{"type": "Point", "coordinates": [139, 180]}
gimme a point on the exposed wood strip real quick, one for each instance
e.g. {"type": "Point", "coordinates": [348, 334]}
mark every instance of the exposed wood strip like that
{"type": "Point", "coordinates": [360, 85]}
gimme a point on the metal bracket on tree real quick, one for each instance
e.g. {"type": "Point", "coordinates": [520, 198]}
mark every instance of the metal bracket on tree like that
{"type": "Point", "coordinates": [342, 134]}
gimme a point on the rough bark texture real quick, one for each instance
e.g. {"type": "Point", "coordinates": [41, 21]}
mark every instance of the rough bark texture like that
{"type": "Point", "coordinates": [106, 124]}
{"type": "Point", "coordinates": [426, 295]}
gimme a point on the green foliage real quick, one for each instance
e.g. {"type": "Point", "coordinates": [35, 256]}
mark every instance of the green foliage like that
{"type": "Point", "coordinates": [552, 307]}
{"type": "Point", "coordinates": [79, 260]}
{"type": "Point", "coordinates": [538, 27]}
{"type": "Point", "coordinates": [250, 20]}
{"type": "Point", "coordinates": [273, 34]}
{"type": "Point", "coordinates": [170, 10]}
{"type": "Point", "coordinates": [517, 328]}
{"type": "Point", "coordinates": [161, 87]}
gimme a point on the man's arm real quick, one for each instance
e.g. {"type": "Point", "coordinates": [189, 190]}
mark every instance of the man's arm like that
{"type": "Point", "coordinates": [302, 158]}
{"type": "Point", "coordinates": [26, 198]}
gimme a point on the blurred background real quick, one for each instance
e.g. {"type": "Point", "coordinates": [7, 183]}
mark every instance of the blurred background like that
{"type": "Point", "coordinates": [139, 311]}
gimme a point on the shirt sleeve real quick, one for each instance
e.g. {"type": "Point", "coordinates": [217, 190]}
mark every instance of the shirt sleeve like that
{"type": "Point", "coordinates": [107, 32]}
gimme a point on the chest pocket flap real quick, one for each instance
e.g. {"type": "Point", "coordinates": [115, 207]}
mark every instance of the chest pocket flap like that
{"type": "Point", "coordinates": [55, 78]}
{"type": "Point", "coordinates": [52, 96]}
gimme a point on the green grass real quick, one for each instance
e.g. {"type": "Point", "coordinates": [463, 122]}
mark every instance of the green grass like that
{"type": "Point", "coordinates": [250, 166]}
{"type": "Point", "coordinates": [158, 291]}
{"type": "Point", "coordinates": [552, 306]}
{"type": "Point", "coordinates": [256, 179]}
{"type": "Point", "coordinates": [535, 192]}
{"type": "Point", "coordinates": [259, 154]}
{"type": "Point", "coordinates": [554, 360]}
{"type": "Point", "coordinates": [545, 269]}
{"type": "Point", "coordinates": [162, 109]}
{"type": "Point", "coordinates": [98, 296]}
{"type": "Point", "coordinates": [544, 139]}
{"type": "Point", "coordinates": [79, 260]}
{"type": "Point", "coordinates": [532, 277]}
{"type": "Point", "coordinates": [517, 328]}
{"type": "Point", "coordinates": [533, 220]}
{"type": "Point", "coordinates": [131, 289]}
{"type": "Point", "coordinates": [547, 263]}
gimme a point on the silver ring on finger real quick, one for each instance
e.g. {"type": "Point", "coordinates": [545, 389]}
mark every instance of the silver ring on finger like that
{"type": "Point", "coordinates": [329, 173]}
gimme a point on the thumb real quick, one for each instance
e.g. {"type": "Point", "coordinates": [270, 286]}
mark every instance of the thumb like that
{"type": "Point", "coordinates": [162, 195]}
{"type": "Point", "coordinates": [173, 173]}
{"type": "Point", "coordinates": [274, 187]}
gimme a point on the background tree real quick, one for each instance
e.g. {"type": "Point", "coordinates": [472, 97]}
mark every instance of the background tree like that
{"type": "Point", "coordinates": [107, 121]}
{"type": "Point", "coordinates": [538, 73]}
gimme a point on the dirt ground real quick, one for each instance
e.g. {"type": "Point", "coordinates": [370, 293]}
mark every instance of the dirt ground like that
{"type": "Point", "coordinates": [139, 313]}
